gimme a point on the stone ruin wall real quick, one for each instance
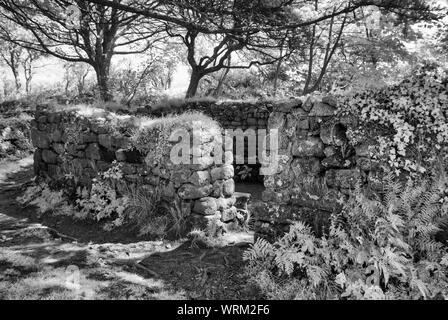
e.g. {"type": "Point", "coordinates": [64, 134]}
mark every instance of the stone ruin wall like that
{"type": "Point", "coordinates": [317, 166]}
{"type": "Point", "coordinates": [203, 191]}
{"type": "Point", "coordinates": [230, 114]}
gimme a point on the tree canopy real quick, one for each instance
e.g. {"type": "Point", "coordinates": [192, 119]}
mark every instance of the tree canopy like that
{"type": "Point", "coordinates": [304, 38]}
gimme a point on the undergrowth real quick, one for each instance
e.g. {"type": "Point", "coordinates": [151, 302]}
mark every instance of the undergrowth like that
{"type": "Point", "coordinates": [135, 206]}
{"type": "Point", "coordinates": [378, 247]}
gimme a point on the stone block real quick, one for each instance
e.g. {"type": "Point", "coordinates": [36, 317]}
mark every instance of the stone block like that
{"type": "Point", "coordinates": [58, 148]}
{"type": "Point", "coordinates": [308, 147]}
{"type": "Point", "coordinates": [226, 203]}
{"type": "Point", "coordinates": [180, 175]}
{"type": "Point", "coordinates": [56, 136]}
{"type": "Point", "coordinates": [49, 156]}
{"type": "Point", "coordinates": [201, 163]}
{"type": "Point", "coordinates": [40, 139]}
{"type": "Point", "coordinates": [303, 124]}
{"type": "Point", "coordinates": [121, 142]}
{"type": "Point", "coordinates": [330, 100]}
{"type": "Point", "coordinates": [252, 121]}
{"type": "Point", "coordinates": [88, 137]}
{"type": "Point", "coordinates": [200, 178]}
{"type": "Point", "coordinates": [222, 173]}
{"type": "Point", "coordinates": [345, 179]}
{"type": "Point", "coordinates": [228, 157]}
{"type": "Point", "coordinates": [322, 110]}
{"type": "Point", "coordinates": [205, 206]}
{"type": "Point", "coordinates": [192, 192]}
{"type": "Point", "coordinates": [276, 120]}
{"type": "Point", "coordinates": [228, 188]}
{"type": "Point", "coordinates": [93, 151]}
{"type": "Point", "coordinates": [229, 215]}
{"type": "Point", "coordinates": [306, 166]}
{"type": "Point", "coordinates": [287, 105]}
{"type": "Point", "coordinates": [105, 140]}
{"type": "Point", "coordinates": [330, 200]}
{"type": "Point", "coordinates": [218, 189]}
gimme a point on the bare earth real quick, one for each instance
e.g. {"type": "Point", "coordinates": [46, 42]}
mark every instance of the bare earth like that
{"type": "Point", "coordinates": [58, 258]}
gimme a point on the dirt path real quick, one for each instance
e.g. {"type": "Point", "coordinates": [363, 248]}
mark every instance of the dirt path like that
{"type": "Point", "coordinates": [57, 258]}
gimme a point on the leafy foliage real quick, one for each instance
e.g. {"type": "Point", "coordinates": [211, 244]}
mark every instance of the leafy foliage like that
{"type": "Point", "coordinates": [409, 120]}
{"type": "Point", "coordinates": [41, 196]}
{"type": "Point", "coordinates": [379, 247]}
{"type": "Point", "coordinates": [100, 203]}
{"type": "Point", "coordinates": [15, 136]}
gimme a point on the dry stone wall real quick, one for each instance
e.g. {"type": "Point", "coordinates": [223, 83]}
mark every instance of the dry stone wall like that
{"type": "Point", "coordinates": [230, 114]}
{"type": "Point", "coordinates": [318, 166]}
{"type": "Point", "coordinates": [87, 143]}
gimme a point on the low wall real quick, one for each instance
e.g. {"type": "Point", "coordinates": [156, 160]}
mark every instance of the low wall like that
{"type": "Point", "coordinates": [318, 167]}
{"type": "Point", "coordinates": [85, 143]}
{"type": "Point", "coordinates": [229, 114]}
{"type": "Point", "coordinates": [318, 164]}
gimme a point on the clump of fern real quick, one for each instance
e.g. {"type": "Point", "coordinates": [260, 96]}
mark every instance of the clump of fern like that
{"type": "Point", "coordinates": [153, 215]}
{"type": "Point", "coordinates": [381, 246]}
{"type": "Point", "coordinates": [44, 198]}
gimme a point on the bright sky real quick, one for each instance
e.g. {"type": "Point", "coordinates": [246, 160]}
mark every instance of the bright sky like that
{"type": "Point", "coordinates": [50, 71]}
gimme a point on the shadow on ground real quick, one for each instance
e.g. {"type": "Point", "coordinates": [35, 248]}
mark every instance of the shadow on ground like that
{"type": "Point", "coordinates": [205, 273]}
{"type": "Point", "coordinates": [14, 178]}
{"type": "Point", "coordinates": [59, 258]}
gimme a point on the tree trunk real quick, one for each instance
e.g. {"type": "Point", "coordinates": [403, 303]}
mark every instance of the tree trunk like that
{"type": "Point", "coordinates": [28, 70]}
{"type": "Point", "coordinates": [277, 74]}
{"type": "Point", "coordinates": [196, 76]}
{"type": "Point", "coordinates": [102, 76]}
{"type": "Point", "coordinates": [16, 79]}
{"type": "Point", "coordinates": [278, 68]}
{"type": "Point", "coordinates": [28, 85]}
{"type": "Point", "coordinates": [67, 85]}
{"type": "Point", "coordinates": [218, 90]}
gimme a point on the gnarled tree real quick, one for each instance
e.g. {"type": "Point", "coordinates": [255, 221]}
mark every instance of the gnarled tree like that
{"type": "Point", "coordinates": [264, 26]}
{"type": "Point", "coordinates": [79, 31]}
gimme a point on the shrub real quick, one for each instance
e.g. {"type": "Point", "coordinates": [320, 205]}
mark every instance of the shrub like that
{"type": "Point", "coordinates": [15, 135]}
{"type": "Point", "coordinates": [45, 199]}
{"type": "Point", "coordinates": [143, 211]}
{"type": "Point", "coordinates": [134, 205]}
{"type": "Point", "coordinates": [153, 135]}
{"type": "Point", "coordinates": [153, 215]}
{"type": "Point", "coordinates": [100, 203]}
{"type": "Point", "coordinates": [409, 120]}
{"type": "Point", "coordinates": [378, 247]}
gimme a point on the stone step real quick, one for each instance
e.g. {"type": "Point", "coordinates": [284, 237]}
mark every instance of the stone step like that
{"type": "Point", "coordinates": [242, 200]}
